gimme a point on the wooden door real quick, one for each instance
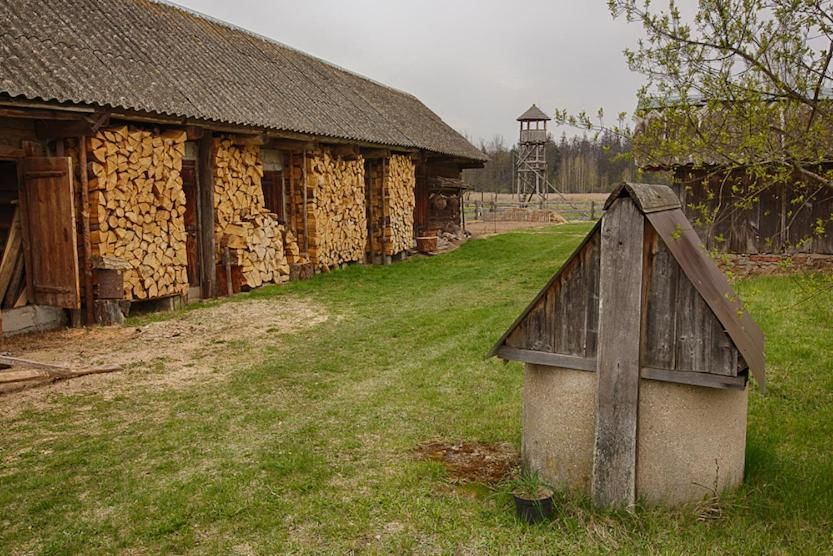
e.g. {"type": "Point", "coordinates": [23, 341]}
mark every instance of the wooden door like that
{"type": "Point", "coordinates": [49, 235]}
{"type": "Point", "coordinates": [192, 227]}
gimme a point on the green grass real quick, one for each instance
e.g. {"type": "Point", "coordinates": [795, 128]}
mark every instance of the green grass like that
{"type": "Point", "coordinates": [312, 450]}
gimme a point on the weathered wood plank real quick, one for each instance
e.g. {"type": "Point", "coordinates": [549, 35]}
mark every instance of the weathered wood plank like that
{"type": "Point", "coordinates": [549, 359]}
{"type": "Point", "coordinates": [591, 328]}
{"type": "Point", "coordinates": [205, 214]}
{"type": "Point", "coordinates": [689, 327]}
{"type": "Point", "coordinates": [12, 251]}
{"type": "Point", "coordinates": [694, 378]}
{"type": "Point", "coordinates": [660, 318]}
{"type": "Point", "coordinates": [50, 232]}
{"type": "Point", "coordinates": [617, 400]}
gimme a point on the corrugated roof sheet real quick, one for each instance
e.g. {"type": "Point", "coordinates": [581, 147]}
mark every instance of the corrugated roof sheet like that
{"type": "Point", "coordinates": [159, 58]}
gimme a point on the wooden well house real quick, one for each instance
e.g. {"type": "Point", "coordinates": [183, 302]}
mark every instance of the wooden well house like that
{"type": "Point", "coordinates": [637, 358]}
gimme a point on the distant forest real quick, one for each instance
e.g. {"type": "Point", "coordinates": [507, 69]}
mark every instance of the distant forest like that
{"type": "Point", "coordinates": [575, 165]}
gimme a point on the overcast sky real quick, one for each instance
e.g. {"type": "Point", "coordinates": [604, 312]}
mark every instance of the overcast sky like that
{"type": "Point", "coordinates": [477, 63]}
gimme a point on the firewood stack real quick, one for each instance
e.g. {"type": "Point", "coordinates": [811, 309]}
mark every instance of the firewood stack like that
{"type": "Point", "coordinates": [336, 219]}
{"type": "Point", "coordinates": [254, 236]}
{"type": "Point", "coordinates": [256, 245]}
{"type": "Point", "coordinates": [393, 218]}
{"type": "Point", "coordinates": [137, 206]}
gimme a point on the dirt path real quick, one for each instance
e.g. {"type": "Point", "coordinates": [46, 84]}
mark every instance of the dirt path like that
{"type": "Point", "coordinates": [192, 346]}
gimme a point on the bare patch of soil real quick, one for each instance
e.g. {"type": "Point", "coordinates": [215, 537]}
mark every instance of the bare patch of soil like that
{"type": "Point", "coordinates": [472, 462]}
{"type": "Point", "coordinates": [190, 347]}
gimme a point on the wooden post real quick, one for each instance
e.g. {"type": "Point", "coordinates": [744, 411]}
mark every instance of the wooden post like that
{"type": "Point", "coordinates": [227, 267]}
{"type": "Point", "coordinates": [292, 207]}
{"type": "Point", "coordinates": [284, 216]}
{"type": "Point", "coordinates": [617, 398]}
{"type": "Point", "coordinates": [205, 194]}
{"type": "Point", "coordinates": [306, 210]}
{"type": "Point", "coordinates": [85, 231]}
{"type": "Point", "coordinates": [384, 222]}
{"type": "Point", "coordinates": [369, 183]}
{"type": "Point", "coordinates": [23, 208]}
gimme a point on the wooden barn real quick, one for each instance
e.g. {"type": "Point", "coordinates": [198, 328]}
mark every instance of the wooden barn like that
{"type": "Point", "coordinates": [151, 154]}
{"type": "Point", "coordinates": [756, 219]}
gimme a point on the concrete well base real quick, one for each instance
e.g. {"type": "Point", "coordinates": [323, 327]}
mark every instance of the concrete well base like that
{"type": "Point", "coordinates": [689, 438]}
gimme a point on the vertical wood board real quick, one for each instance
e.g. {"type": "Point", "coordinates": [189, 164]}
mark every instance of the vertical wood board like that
{"type": "Point", "coordinates": [617, 397]}
{"type": "Point", "coordinates": [50, 233]}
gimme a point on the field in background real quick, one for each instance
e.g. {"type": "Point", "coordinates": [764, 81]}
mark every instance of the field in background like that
{"type": "Point", "coordinates": [313, 439]}
{"type": "Point", "coordinates": [495, 208]}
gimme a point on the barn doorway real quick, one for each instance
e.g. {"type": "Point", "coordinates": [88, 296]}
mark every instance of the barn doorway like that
{"type": "Point", "coordinates": [13, 291]}
{"type": "Point", "coordinates": [192, 228]}
{"type": "Point", "coordinates": [273, 183]}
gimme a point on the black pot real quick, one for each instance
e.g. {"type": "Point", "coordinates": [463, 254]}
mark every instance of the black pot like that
{"type": "Point", "coordinates": [533, 510]}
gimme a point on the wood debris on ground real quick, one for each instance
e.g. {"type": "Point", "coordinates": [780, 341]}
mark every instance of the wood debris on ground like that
{"type": "Point", "coordinates": [20, 374]}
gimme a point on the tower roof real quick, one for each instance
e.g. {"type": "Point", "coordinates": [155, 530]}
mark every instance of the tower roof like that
{"type": "Point", "coordinates": [534, 113]}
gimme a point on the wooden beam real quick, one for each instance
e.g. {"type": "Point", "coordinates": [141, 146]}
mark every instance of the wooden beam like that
{"type": "Point", "coordinates": [244, 140]}
{"type": "Point", "coordinates": [9, 152]}
{"type": "Point", "coordinates": [306, 208]}
{"type": "Point", "coordinates": [620, 315]}
{"type": "Point", "coordinates": [23, 207]}
{"type": "Point", "coordinates": [291, 145]}
{"type": "Point", "coordinates": [12, 251]}
{"type": "Point", "coordinates": [49, 130]}
{"type": "Point", "coordinates": [372, 154]}
{"type": "Point", "coordinates": [573, 362]}
{"type": "Point", "coordinates": [193, 133]}
{"type": "Point", "coordinates": [694, 378]}
{"type": "Point", "coordinates": [205, 195]}
{"type": "Point", "coordinates": [86, 244]}
{"type": "Point", "coordinates": [349, 152]}
{"type": "Point", "coordinates": [38, 114]}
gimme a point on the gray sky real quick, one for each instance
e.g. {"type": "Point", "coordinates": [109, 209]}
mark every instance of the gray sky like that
{"type": "Point", "coordinates": [477, 63]}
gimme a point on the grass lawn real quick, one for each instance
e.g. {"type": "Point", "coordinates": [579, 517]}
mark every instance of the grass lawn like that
{"type": "Point", "coordinates": [312, 450]}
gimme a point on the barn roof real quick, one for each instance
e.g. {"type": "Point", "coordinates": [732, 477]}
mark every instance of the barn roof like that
{"type": "Point", "coordinates": [663, 211]}
{"type": "Point", "coordinates": [533, 114]}
{"type": "Point", "coordinates": [155, 57]}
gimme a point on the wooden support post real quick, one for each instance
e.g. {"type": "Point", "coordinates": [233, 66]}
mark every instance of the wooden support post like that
{"type": "Point", "coordinates": [384, 220]}
{"type": "Point", "coordinates": [205, 194]}
{"type": "Point", "coordinates": [85, 231]}
{"type": "Point", "coordinates": [369, 181]}
{"type": "Point", "coordinates": [306, 209]}
{"type": "Point", "coordinates": [23, 208]}
{"type": "Point", "coordinates": [291, 217]}
{"type": "Point", "coordinates": [284, 216]}
{"type": "Point", "coordinates": [617, 398]}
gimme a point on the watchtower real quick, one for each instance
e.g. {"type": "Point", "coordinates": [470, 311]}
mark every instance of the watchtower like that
{"type": "Point", "coordinates": [531, 162]}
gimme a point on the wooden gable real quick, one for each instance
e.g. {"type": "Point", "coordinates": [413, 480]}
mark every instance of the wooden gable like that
{"type": "Point", "coordinates": [693, 329]}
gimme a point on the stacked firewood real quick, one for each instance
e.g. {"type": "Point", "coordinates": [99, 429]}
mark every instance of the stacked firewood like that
{"type": "Point", "coordinates": [253, 234]}
{"type": "Point", "coordinates": [336, 223]}
{"type": "Point", "coordinates": [291, 250]}
{"type": "Point", "coordinates": [137, 206]}
{"type": "Point", "coordinates": [256, 246]}
{"type": "Point", "coordinates": [393, 208]}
